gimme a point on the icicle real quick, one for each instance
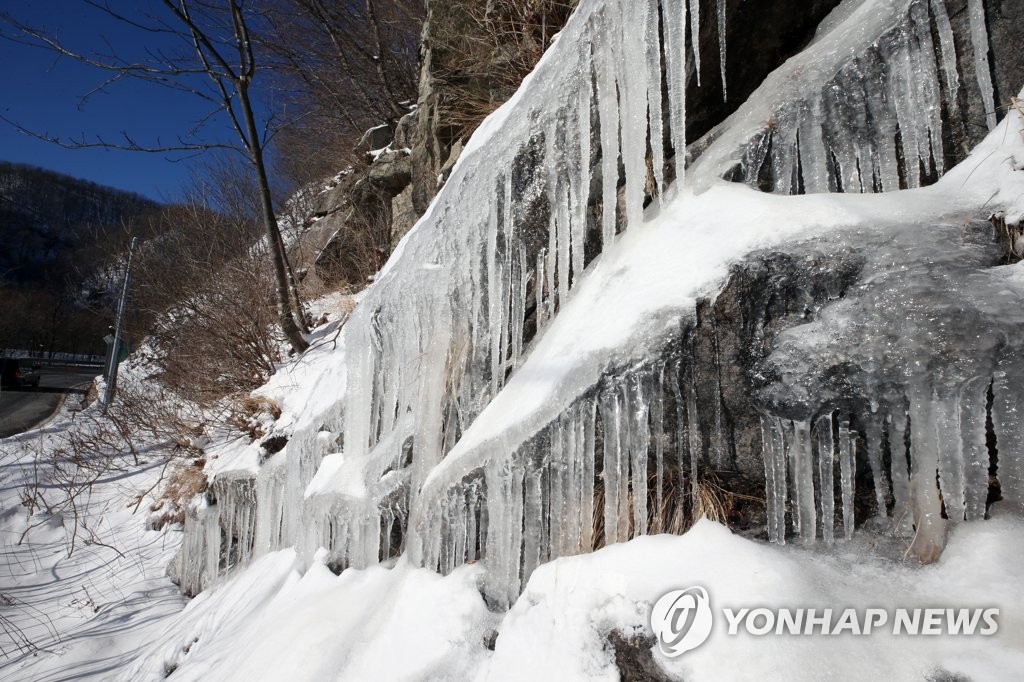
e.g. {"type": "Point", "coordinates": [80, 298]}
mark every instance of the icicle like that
{"type": "Point", "coordinates": [826, 449]}
{"type": "Point", "coordinates": [653, 44]}
{"type": "Point", "coordinates": [979, 43]}
{"type": "Point", "coordinates": [779, 462]}
{"type": "Point", "coordinates": [675, 58]}
{"type": "Point", "coordinates": [803, 474]}
{"type": "Point", "coordinates": [625, 444]}
{"type": "Point", "coordinates": [695, 37]}
{"type": "Point", "coordinates": [551, 267]}
{"type": "Point", "coordinates": [658, 434]}
{"type": "Point", "coordinates": [973, 400]}
{"type": "Point", "coordinates": [556, 492]}
{"type": "Point", "coordinates": [928, 92]}
{"type": "Point", "coordinates": [589, 414]}
{"type": "Point", "coordinates": [693, 427]}
{"type": "Point", "coordinates": [794, 481]}
{"type": "Point", "coordinates": [949, 65]}
{"type": "Point", "coordinates": [580, 190]}
{"type": "Point", "coordinates": [950, 455]}
{"type": "Point", "coordinates": [499, 492]}
{"type": "Point", "coordinates": [579, 476]}
{"type": "Point", "coordinates": [612, 466]}
{"type": "Point", "coordinates": [633, 82]}
{"type": "Point", "coordinates": [1007, 421]}
{"type": "Point", "coordinates": [812, 150]}
{"type": "Point", "coordinates": [639, 432]}
{"type": "Point", "coordinates": [539, 280]}
{"type": "Point", "coordinates": [608, 108]}
{"type": "Point", "coordinates": [721, 45]}
{"type": "Point", "coordinates": [847, 470]}
{"type": "Point", "coordinates": [929, 531]}
{"type": "Point", "coordinates": [533, 523]}
{"type": "Point", "coordinates": [772, 500]}
{"type": "Point", "coordinates": [902, 510]}
{"type": "Point", "coordinates": [873, 438]}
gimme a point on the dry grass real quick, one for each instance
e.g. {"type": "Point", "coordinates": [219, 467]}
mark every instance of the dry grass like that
{"type": "Point", "coordinates": [252, 413]}
{"type": "Point", "coordinates": [1016, 105]}
{"type": "Point", "coordinates": [185, 482]}
{"type": "Point", "coordinates": [682, 504]}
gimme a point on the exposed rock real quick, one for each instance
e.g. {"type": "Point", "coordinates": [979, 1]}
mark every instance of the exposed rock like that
{"type": "Point", "coordinates": [403, 215]}
{"type": "Point", "coordinates": [634, 659]}
{"type": "Point", "coordinates": [378, 137]}
{"type": "Point", "coordinates": [406, 132]}
{"type": "Point", "coordinates": [390, 172]}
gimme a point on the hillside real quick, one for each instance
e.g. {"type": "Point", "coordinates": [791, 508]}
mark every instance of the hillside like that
{"type": "Point", "coordinates": [45, 216]}
{"type": "Point", "coordinates": [697, 357]}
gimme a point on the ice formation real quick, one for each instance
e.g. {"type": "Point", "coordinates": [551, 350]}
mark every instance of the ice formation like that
{"type": "Point", "coordinates": [866, 119]}
{"type": "Point", "coordinates": [928, 350]}
{"type": "Point", "coordinates": [477, 417]}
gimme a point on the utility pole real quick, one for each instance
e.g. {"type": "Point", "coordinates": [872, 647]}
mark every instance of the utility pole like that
{"type": "Point", "coordinates": [115, 350]}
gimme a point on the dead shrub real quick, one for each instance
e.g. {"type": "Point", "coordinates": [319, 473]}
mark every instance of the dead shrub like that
{"type": "Point", "coordinates": [477, 69]}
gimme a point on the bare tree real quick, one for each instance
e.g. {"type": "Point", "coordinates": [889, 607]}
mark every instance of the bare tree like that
{"type": "Point", "coordinates": [218, 65]}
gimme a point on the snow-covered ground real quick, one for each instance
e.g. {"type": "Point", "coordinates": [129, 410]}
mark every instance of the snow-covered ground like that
{"type": "Point", "coordinates": [83, 588]}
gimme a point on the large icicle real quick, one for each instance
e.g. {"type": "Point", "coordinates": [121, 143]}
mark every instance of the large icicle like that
{"type": "Point", "coordinates": [826, 450]}
{"type": "Point", "coordinates": [802, 463]}
{"type": "Point", "coordinates": [847, 470]}
{"type": "Point", "coordinates": [982, 69]}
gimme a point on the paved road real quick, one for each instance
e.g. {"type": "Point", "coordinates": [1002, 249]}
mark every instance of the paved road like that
{"type": "Point", "coordinates": [20, 410]}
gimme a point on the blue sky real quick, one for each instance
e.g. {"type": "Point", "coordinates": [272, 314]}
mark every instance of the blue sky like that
{"type": "Point", "coordinates": [41, 91]}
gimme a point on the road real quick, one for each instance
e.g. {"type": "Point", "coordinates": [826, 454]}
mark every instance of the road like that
{"type": "Point", "coordinates": [20, 410]}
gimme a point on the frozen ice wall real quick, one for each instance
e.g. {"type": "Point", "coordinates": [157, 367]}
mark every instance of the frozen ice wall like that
{"type": "Point", "coordinates": [550, 181]}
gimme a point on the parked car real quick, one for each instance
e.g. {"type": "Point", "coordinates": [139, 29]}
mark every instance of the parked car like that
{"type": "Point", "coordinates": [15, 373]}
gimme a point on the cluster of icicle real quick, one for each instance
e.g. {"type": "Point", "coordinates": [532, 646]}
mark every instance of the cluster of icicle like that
{"type": "Point", "coordinates": [873, 123]}
{"type": "Point", "coordinates": [443, 327]}
{"type": "Point", "coordinates": [445, 324]}
{"type": "Point", "coordinates": [930, 436]}
{"type": "Point", "coordinates": [600, 474]}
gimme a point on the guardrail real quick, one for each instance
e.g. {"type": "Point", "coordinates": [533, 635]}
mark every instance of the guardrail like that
{"type": "Point", "coordinates": [43, 357]}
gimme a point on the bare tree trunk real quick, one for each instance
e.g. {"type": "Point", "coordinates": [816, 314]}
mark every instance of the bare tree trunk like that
{"type": "Point", "coordinates": [286, 316]}
{"type": "Point", "coordinates": [282, 292]}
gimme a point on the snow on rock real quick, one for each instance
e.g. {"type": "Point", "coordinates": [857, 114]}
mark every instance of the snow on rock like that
{"type": "Point", "coordinates": [558, 628]}
{"type": "Point", "coordinates": [629, 305]}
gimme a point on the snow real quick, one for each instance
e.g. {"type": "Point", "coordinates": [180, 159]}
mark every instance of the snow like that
{"type": "Point", "coordinates": [571, 604]}
{"type": "Point", "coordinates": [276, 621]}
{"type": "Point", "coordinates": [83, 590]}
{"type": "Point", "coordinates": [651, 279]}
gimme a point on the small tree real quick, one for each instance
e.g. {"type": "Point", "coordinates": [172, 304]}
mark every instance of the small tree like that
{"type": "Point", "coordinates": [219, 65]}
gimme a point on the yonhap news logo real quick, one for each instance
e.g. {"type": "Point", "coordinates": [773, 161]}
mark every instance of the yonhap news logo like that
{"type": "Point", "coordinates": [682, 620]}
